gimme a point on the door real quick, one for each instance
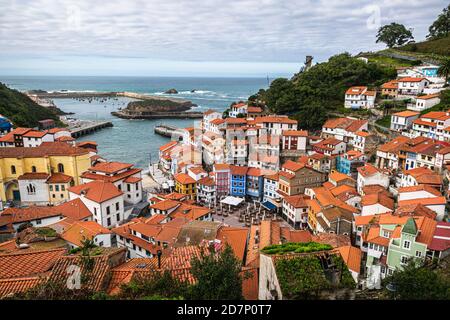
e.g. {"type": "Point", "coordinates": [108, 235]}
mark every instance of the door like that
{"type": "Point", "coordinates": [16, 195]}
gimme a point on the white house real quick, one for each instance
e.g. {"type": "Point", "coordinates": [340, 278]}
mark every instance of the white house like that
{"type": "Point", "coordinates": [87, 230]}
{"type": "Point", "coordinates": [376, 203]}
{"type": "Point", "coordinates": [412, 85]}
{"type": "Point", "coordinates": [33, 188]}
{"type": "Point", "coordinates": [35, 138]}
{"type": "Point", "coordinates": [126, 178]}
{"type": "Point", "coordinates": [359, 97]}
{"type": "Point", "coordinates": [270, 189]}
{"type": "Point", "coordinates": [103, 199]}
{"type": "Point", "coordinates": [36, 216]}
{"type": "Point", "coordinates": [370, 175]}
{"type": "Point", "coordinates": [208, 117]}
{"type": "Point", "coordinates": [295, 211]}
{"type": "Point", "coordinates": [403, 120]}
{"type": "Point", "coordinates": [420, 191]}
{"type": "Point", "coordinates": [294, 140]}
{"type": "Point", "coordinates": [275, 125]}
{"type": "Point", "coordinates": [236, 109]}
{"type": "Point", "coordinates": [425, 102]}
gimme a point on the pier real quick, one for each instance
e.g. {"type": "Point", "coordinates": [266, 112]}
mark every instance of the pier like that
{"type": "Point", "coordinates": [168, 131]}
{"type": "Point", "coordinates": [89, 128]}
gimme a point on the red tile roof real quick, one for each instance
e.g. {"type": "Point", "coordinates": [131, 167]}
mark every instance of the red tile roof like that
{"type": "Point", "coordinates": [98, 191]}
{"type": "Point", "coordinates": [83, 230]}
{"type": "Point", "coordinates": [45, 149]}
{"type": "Point", "coordinates": [20, 264]}
{"type": "Point", "coordinates": [110, 167]}
{"type": "Point", "coordinates": [58, 177]}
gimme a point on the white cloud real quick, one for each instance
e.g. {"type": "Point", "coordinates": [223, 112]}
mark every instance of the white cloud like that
{"type": "Point", "coordinates": [194, 30]}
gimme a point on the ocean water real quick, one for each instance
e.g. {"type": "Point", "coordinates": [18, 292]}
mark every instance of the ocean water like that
{"type": "Point", "coordinates": [134, 141]}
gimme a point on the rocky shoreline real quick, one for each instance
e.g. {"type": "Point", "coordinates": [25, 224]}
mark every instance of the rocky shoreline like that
{"type": "Point", "coordinates": [158, 115]}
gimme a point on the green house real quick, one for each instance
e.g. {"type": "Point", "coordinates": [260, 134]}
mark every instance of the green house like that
{"type": "Point", "coordinates": [405, 247]}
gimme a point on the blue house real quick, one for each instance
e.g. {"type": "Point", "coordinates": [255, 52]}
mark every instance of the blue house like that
{"type": "Point", "coordinates": [255, 184]}
{"type": "Point", "coordinates": [238, 181]}
{"type": "Point", "coordinates": [349, 162]}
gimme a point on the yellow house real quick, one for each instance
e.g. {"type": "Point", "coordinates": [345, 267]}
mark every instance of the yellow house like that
{"type": "Point", "coordinates": [184, 184]}
{"type": "Point", "coordinates": [49, 157]}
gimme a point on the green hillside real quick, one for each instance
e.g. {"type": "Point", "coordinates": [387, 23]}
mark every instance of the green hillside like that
{"type": "Point", "coordinates": [21, 110]}
{"type": "Point", "coordinates": [313, 96]}
{"type": "Point", "coordinates": [439, 47]}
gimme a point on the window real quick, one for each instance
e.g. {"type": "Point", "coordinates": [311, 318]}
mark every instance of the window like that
{"type": "Point", "coordinates": [404, 260]}
{"type": "Point", "coordinates": [128, 187]}
{"type": "Point", "coordinates": [13, 169]}
{"type": "Point", "coordinates": [100, 244]}
{"type": "Point", "coordinates": [56, 187]}
{"type": "Point", "coordinates": [118, 217]}
{"type": "Point", "coordinates": [60, 167]}
{"type": "Point", "coordinates": [33, 169]}
{"type": "Point", "coordinates": [117, 206]}
{"type": "Point", "coordinates": [38, 221]}
{"type": "Point", "coordinates": [31, 189]}
{"type": "Point", "coordinates": [406, 244]}
{"type": "Point", "coordinates": [109, 221]}
{"type": "Point", "coordinates": [51, 188]}
{"type": "Point", "coordinates": [418, 254]}
{"type": "Point", "coordinates": [108, 210]}
{"type": "Point", "coordinates": [63, 187]}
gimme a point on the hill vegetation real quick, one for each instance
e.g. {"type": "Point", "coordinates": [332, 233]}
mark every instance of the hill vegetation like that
{"type": "Point", "coordinates": [321, 90]}
{"type": "Point", "coordinates": [437, 46]}
{"type": "Point", "coordinates": [21, 110]}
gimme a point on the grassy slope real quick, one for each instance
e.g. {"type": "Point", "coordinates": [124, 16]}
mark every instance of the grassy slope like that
{"type": "Point", "coordinates": [438, 47]}
{"type": "Point", "coordinates": [21, 110]}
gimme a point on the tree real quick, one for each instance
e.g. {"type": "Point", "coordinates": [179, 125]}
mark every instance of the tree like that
{"type": "Point", "coordinates": [444, 70]}
{"type": "Point", "coordinates": [441, 26]}
{"type": "Point", "coordinates": [417, 281]}
{"type": "Point", "coordinates": [154, 286]}
{"type": "Point", "coordinates": [394, 34]}
{"type": "Point", "coordinates": [218, 276]}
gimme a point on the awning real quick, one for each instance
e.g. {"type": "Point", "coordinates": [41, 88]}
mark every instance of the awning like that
{"type": "Point", "coordinates": [269, 205]}
{"type": "Point", "coordinates": [232, 201]}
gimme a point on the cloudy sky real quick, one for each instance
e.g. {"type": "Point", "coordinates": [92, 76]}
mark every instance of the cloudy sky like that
{"type": "Point", "coordinates": [193, 37]}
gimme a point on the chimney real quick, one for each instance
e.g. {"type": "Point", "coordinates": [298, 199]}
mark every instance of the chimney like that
{"type": "Point", "coordinates": [159, 254]}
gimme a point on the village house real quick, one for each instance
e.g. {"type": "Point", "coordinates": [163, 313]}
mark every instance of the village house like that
{"type": "Point", "coordinates": [270, 189]}
{"type": "Point", "coordinates": [208, 116]}
{"type": "Point", "coordinates": [126, 178]}
{"type": "Point", "coordinates": [222, 179]}
{"type": "Point", "coordinates": [403, 120]}
{"type": "Point", "coordinates": [165, 159]}
{"type": "Point", "coordinates": [330, 146]}
{"type": "Point", "coordinates": [343, 129]}
{"type": "Point", "coordinates": [425, 102]}
{"type": "Point", "coordinates": [359, 97]}
{"type": "Point", "coordinates": [421, 175]}
{"type": "Point", "coordinates": [238, 181]}
{"type": "Point", "coordinates": [185, 184]}
{"type": "Point", "coordinates": [103, 199]}
{"type": "Point", "coordinates": [388, 153]}
{"type": "Point", "coordinates": [294, 140]}
{"type": "Point", "coordinates": [295, 211]}
{"type": "Point", "coordinates": [206, 190]}
{"type": "Point", "coordinates": [432, 125]}
{"type": "Point", "coordinates": [370, 175]}
{"type": "Point", "coordinates": [390, 89]}
{"type": "Point", "coordinates": [376, 203]}
{"type": "Point", "coordinates": [80, 231]}
{"type": "Point", "coordinates": [349, 162]}
{"type": "Point", "coordinates": [48, 158]}
{"type": "Point", "coordinates": [412, 85]}
{"type": "Point", "coordinates": [255, 184]}
{"type": "Point", "coordinates": [294, 177]}
{"type": "Point", "coordinates": [364, 142]}
{"type": "Point", "coordinates": [238, 109]}
{"type": "Point", "coordinates": [275, 125]}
